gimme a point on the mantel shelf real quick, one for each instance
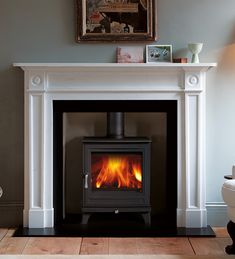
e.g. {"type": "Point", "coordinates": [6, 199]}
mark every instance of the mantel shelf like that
{"type": "Point", "coordinates": [115, 65]}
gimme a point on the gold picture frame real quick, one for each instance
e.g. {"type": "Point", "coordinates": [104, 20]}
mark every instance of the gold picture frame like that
{"type": "Point", "coordinates": [115, 20]}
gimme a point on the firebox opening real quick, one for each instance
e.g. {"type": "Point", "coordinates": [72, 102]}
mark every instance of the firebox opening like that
{"type": "Point", "coordinates": [157, 120]}
{"type": "Point", "coordinates": [116, 171]}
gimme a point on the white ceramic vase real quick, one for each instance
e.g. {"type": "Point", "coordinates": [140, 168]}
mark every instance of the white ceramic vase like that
{"type": "Point", "coordinates": [195, 49]}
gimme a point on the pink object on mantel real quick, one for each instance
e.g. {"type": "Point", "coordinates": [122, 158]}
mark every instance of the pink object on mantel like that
{"type": "Point", "coordinates": [130, 55]}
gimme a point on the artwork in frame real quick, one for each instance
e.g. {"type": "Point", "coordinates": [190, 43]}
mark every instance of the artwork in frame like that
{"type": "Point", "coordinates": [116, 20]}
{"type": "Point", "coordinates": [158, 53]}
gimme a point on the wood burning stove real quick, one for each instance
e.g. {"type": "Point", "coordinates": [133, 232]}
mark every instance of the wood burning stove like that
{"type": "Point", "coordinates": [116, 172]}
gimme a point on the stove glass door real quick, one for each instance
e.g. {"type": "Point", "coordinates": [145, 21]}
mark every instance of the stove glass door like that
{"type": "Point", "coordinates": [116, 171]}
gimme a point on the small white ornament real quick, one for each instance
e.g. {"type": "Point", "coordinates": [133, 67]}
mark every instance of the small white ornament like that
{"type": "Point", "coordinates": [195, 49]}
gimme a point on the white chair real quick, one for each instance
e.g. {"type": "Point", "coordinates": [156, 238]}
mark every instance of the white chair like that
{"type": "Point", "coordinates": [228, 193]}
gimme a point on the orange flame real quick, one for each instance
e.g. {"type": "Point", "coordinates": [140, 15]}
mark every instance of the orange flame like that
{"type": "Point", "coordinates": [117, 171]}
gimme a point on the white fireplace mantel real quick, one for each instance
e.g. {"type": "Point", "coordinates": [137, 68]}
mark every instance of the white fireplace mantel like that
{"type": "Point", "coordinates": [45, 82]}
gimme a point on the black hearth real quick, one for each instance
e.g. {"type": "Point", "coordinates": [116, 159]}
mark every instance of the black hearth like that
{"type": "Point", "coordinates": [116, 172]}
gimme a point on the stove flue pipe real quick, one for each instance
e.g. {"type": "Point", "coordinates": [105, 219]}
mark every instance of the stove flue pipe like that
{"type": "Point", "coordinates": [115, 125]}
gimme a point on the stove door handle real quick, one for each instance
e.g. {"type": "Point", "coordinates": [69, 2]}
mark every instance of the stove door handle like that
{"type": "Point", "coordinates": [86, 182]}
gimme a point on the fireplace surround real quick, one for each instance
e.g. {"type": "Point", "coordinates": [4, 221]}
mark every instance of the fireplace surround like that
{"type": "Point", "coordinates": [183, 83]}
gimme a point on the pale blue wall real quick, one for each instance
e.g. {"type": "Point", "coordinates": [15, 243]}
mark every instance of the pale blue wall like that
{"type": "Point", "coordinates": [44, 31]}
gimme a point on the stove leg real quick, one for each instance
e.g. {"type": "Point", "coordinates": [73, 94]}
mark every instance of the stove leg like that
{"type": "Point", "coordinates": [85, 218]}
{"type": "Point", "coordinates": [147, 218]}
{"type": "Point", "coordinates": [230, 249]}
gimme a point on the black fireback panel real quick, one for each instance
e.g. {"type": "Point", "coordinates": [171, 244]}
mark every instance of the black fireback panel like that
{"type": "Point", "coordinates": [116, 200]}
{"type": "Point", "coordinates": [143, 106]}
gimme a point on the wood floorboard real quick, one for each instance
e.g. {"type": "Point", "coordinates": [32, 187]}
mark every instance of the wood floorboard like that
{"type": "Point", "coordinates": [10, 232]}
{"type": "Point", "coordinates": [223, 242]}
{"type": "Point", "coordinates": [88, 246]}
{"type": "Point", "coordinates": [209, 246]}
{"type": "Point", "coordinates": [91, 246]}
{"type": "Point", "coordinates": [122, 246]}
{"type": "Point", "coordinates": [221, 232]}
{"type": "Point", "coordinates": [3, 232]}
{"type": "Point", "coordinates": [48, 245]}
{"type": "Point", "coordinates": [177, 246]}
{"type": "Point", "coordinates": [10, 245]}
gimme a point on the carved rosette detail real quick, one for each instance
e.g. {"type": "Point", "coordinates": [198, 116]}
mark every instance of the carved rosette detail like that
{"type": "Point", "coordinates": [193, 80]}
{"type": "Point", "coordinates": [36, 80]}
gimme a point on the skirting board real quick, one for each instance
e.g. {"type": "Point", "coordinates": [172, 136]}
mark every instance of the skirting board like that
{"type": "Point", "coordinates": [11, 214]}
{"type": "Point", "coordinates": [217, 215]}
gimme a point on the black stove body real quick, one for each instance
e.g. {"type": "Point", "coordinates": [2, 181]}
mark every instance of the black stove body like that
{"type": "Point", "coordinates": [116, 172]}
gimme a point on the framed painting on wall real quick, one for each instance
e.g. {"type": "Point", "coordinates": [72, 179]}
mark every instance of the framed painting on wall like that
{"type": "Point", "coordinates": [116, 20]}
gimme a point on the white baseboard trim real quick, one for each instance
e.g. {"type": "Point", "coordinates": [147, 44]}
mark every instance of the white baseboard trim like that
{"type": "Point", "coordinates": [217, 214]}
{"type": "Point", "coordinates": [11, 213]}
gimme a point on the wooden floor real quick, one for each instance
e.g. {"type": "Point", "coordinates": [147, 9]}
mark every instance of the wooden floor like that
{"type": "Point", "coordinates": [57, 245]}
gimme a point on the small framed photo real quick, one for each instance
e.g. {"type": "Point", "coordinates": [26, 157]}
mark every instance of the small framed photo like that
{"type": "Point", "coordinates": [130, 55]}
{"type": "Point", "coordinates": [158, 53]}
